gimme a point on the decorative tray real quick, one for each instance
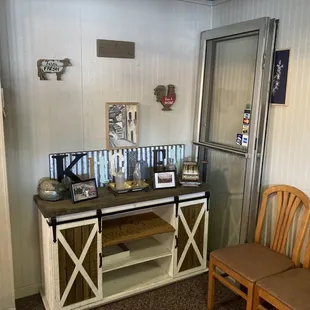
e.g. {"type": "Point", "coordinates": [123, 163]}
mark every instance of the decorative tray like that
{"type": "Point", "coordinates": [129, 186]}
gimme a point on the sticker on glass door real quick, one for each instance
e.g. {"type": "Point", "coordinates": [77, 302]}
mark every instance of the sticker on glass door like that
{"type": "Point", "coordinates": [243, 138]}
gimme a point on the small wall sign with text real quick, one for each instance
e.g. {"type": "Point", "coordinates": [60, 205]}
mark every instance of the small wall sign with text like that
{"type": "Point", "coordinates": [115, 49]}
{"type": "Point", "coordinates": [165, 96]}
{"type": "Point", "coordinates": [52, 66]}
{"type": "Point", "coordinates": [280, 77]}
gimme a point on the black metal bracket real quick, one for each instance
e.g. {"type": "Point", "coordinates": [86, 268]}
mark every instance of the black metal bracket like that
{"type": "Point", "coordinates": [54, 224]}
{"type": "Point", "coordinates": [208, 200]}
{"type": "Point", "coordinates": [176, 242]}
{"type": "Point", "coordinates": [99, 215]}
{"type": "Point", "coordinates": [176, 201]}
{"type": "Point", "coordinates": [100, 260]}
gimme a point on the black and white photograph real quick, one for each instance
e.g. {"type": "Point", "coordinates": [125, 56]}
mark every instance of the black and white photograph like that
{"type": "Point", "coordinates": [84, 190]}
{"type": "Point", "coordinates": [122, 124]}
{"type": "Point", "coordinates": [164, 179]}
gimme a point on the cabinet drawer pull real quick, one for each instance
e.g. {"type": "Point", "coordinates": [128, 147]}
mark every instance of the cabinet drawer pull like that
{"type": "Point", "coordinates": [100, 260]}
{"type": "Point", "coordinates": [176, 242]}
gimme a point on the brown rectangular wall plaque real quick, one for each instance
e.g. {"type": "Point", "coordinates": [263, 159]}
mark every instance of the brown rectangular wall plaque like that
{"type": "Point", "coordinates": [115, 49]}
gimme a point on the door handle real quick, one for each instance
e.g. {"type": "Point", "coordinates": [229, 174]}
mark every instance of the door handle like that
{"type": "Point", "coordinates": [223, 149]}
{"type": "Point", "coordinates": [176, 242]}
{"type": "Point", "coordinates": [100, 260]}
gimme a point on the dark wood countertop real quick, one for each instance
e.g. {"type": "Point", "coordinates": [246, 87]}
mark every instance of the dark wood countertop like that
{"type": "Point", "coordinates": [107, 199]}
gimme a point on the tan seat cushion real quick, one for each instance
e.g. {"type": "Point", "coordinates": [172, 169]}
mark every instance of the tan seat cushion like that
{"type": "Point", "coordinates": [291, 287]}
{"type": "Point", "coordinates": [253, 261]}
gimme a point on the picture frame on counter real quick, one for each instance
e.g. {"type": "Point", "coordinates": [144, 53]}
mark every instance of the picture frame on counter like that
{"type": "Point", "coordinates": [164, 179]}
{"type": "Point", "coordinates": [84, 190]}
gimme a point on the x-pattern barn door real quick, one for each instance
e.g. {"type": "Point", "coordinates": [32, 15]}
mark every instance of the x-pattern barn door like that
{"type": "Point", "coordinates": [77, 264]}
{"type": "Point", "coordinates": [192, 236]}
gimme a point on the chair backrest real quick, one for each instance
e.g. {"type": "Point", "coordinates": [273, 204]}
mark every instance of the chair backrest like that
{"type": "Point", "coordinates": [289, 199]}
{"type": "Point", "coordinates": [307, 256]}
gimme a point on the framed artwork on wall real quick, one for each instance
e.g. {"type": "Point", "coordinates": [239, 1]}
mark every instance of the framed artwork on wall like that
{"type": "Point", "coordinates": [122, 119]}
{"type": "Point", "coordinates": [280, 77]}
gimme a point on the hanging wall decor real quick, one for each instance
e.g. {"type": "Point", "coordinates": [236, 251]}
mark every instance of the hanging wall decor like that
{"type": "Point", "coordinates": [165, 96]}
{"type": "Point", "coordinates": [115, 49]}
{"type": "Point", "coordinates": [52, 66]}
{"type": "Point", "coordinates": [280, 77]}
{"type": "Point", "coordinates": [122, 125]}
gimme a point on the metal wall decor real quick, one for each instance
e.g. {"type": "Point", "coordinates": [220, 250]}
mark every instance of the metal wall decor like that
{"type": "Point", "coordinates": [165, 96]}
{"type": "Point", "coordinates": [122, 121]}
{"type": "Point", "coordinates": [52, 66]}
{"type": "Point", "coordinates": [97, 164]}
{"type": "Point", "coordinates": [280, 77]}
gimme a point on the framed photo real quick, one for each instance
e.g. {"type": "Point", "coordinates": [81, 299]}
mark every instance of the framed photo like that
{"type": "Point", "coordinates": [280, 77]}
{"type": "Point", "coordinates": [84, 190]}
{"type": "Point", "coordinates": [165, 179]}
{"type": "Point", "coordinates": [122, 119]}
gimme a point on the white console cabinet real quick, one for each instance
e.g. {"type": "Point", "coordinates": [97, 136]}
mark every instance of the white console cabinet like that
{"type": "Point", "coordinates": [95, 253]}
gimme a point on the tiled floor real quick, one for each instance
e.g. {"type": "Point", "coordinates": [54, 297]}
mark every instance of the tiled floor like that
{"type": "Point", "coordinates": [184, 295]}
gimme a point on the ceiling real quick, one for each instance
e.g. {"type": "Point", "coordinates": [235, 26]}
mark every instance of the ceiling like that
{"type": "Point", "coordinates": [206, 2]}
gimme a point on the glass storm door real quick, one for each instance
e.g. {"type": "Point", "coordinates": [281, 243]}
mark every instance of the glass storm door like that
{"type": "Point", "coordinates": [231, 113]}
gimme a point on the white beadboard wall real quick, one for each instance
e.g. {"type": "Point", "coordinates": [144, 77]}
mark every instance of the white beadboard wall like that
{"type": "Point", "coordinates": [288, 147]}
{"type": "Point", "coordinates": [51, 116]}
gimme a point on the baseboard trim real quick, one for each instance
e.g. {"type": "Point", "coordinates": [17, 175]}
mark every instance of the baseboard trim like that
{"type": "Point", "coordinates": [27, 291]}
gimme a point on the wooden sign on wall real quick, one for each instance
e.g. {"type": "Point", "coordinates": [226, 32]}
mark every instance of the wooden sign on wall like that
{"type": "Point", "coordinates": [115, 49]}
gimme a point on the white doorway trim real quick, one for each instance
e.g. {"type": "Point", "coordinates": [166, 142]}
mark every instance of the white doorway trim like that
{"type": "Point", "coordinates": [7, 298]}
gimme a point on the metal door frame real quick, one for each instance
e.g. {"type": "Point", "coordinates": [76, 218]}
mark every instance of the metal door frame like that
{"type": "Point", "coordinates": [266, 28]}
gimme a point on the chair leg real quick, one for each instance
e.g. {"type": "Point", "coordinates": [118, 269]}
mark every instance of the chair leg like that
{"type": "Point", "coordinates": [211, 284]}
{"type": "Point", "coordinates": [256, 298]}
{"type": "Point", "coordinates": [249, 301]}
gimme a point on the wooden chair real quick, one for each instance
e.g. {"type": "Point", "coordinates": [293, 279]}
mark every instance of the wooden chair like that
{"type": "Point", "coordinates": [286, 291]}
{"type": "Point", "coordinates": [249, 263]}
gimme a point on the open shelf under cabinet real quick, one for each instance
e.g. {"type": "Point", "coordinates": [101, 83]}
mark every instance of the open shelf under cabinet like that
{"type": "Point", "coordinates": [142, 250]}
{"type": "Point", "coordinates": [139, 226]}
{"type": "Point", "coordinates": [131, 279]}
